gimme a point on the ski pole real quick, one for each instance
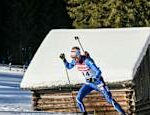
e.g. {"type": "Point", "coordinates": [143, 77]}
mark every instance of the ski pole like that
{"type": "Point", "coordinates": [77, 38]}
{"type": "Point", "coordinates": [85, 52]}
{"type": "Point", "coordinates": [71, 90]}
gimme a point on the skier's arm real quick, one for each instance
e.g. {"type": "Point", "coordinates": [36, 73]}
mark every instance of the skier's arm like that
{"type": "Point", "coordinates": [69, 65]}
{"type": "Point", "coordinates": [92, 66]}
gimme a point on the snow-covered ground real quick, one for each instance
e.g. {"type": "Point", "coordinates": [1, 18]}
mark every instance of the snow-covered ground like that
{"type": "Point", "coordinates": [12, 98]}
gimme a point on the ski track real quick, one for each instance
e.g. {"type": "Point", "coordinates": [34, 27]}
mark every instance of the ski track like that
{"type": "Point", "coordinates": [12, 98]}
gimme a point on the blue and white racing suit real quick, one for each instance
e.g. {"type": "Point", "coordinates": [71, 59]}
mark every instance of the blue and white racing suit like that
{"type": "Point", "coordinates": [90, 70]}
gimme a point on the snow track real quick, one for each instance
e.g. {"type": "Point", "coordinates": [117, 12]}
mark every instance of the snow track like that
{"type": "Point", "coordinates": [12, 98]}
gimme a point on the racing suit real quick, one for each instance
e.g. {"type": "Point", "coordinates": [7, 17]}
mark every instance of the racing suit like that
{"type": "Point", "coordinates": [89, 70]}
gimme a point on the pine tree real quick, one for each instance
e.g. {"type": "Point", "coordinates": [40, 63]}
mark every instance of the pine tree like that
{"type": "Point", "coordinates": [109, 13]}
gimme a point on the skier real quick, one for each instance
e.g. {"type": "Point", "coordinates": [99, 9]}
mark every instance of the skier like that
{"type": "Point", "coordinates": [92, 74]}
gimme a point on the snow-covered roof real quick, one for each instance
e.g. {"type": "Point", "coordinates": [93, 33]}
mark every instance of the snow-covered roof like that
{"type": "Point", "coordinates": [117, 52]}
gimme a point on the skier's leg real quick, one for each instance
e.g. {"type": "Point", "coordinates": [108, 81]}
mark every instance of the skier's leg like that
{"type": "Point", "coordinates": [84, 90]}
{"type": "Point", "coordinates": [108, 96]}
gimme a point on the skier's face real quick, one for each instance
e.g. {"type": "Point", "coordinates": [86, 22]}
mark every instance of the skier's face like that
{"type": "Point", "coordinates": [75, 54]}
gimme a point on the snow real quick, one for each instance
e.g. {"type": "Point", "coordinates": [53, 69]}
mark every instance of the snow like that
{"type": "Point", "coordinates": [115, 51]}
{"type": "Point", "coordinates": [37, 113]}
{"type": "Point", "coordinates": [11, 107]}
{"type": "Point", "coordinates": [142, 54]}
{"type": "Point", "coordinates": [15, 71]}
{"type": "Point", "coordinates": [12, 98]}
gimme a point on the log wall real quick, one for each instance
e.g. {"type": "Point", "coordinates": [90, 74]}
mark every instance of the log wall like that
{"type": "Point", "coordinates": [142, 86]}
{"type": "Point", "coordinates": [64, 101]}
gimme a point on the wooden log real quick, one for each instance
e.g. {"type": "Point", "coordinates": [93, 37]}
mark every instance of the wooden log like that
{"type": "Point", "coordinates": [64, 101]}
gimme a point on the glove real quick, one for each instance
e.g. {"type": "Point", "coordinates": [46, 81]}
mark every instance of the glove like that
{"type": "Point", "coordinates": [86, 54]}
{"type": "Point", "coordinates": [62, 56]}
{"type": "Point", "coordinates": [91, 80]}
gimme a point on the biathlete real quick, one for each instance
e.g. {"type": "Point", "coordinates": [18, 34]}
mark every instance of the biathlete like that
{"type": "Point", "coordinates": [94, 80]}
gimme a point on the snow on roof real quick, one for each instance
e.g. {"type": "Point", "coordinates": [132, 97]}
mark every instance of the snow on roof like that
{"type": "Point", "coordinates": [117, 52]}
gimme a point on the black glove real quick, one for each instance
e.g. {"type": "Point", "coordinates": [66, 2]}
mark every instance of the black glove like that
{"type": "Point", "coordinates": [86, 54]}
{"type": "Point", "coordinates": [62, 56]}
{"type": "Point", "coordinates": [91, 80]}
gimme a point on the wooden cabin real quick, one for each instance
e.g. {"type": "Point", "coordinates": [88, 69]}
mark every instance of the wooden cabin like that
{"type": "Point", "coordinates": [118, 53]}
{"type": "Point", "coordinates": [142, 83]}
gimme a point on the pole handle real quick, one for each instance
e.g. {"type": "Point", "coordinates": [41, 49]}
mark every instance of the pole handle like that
{"type": "Point", "coordinates": [77, 38]}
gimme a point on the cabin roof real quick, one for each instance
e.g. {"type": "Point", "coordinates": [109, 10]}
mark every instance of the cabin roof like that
{"type": "Point", "coordinates": [117, 52]}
